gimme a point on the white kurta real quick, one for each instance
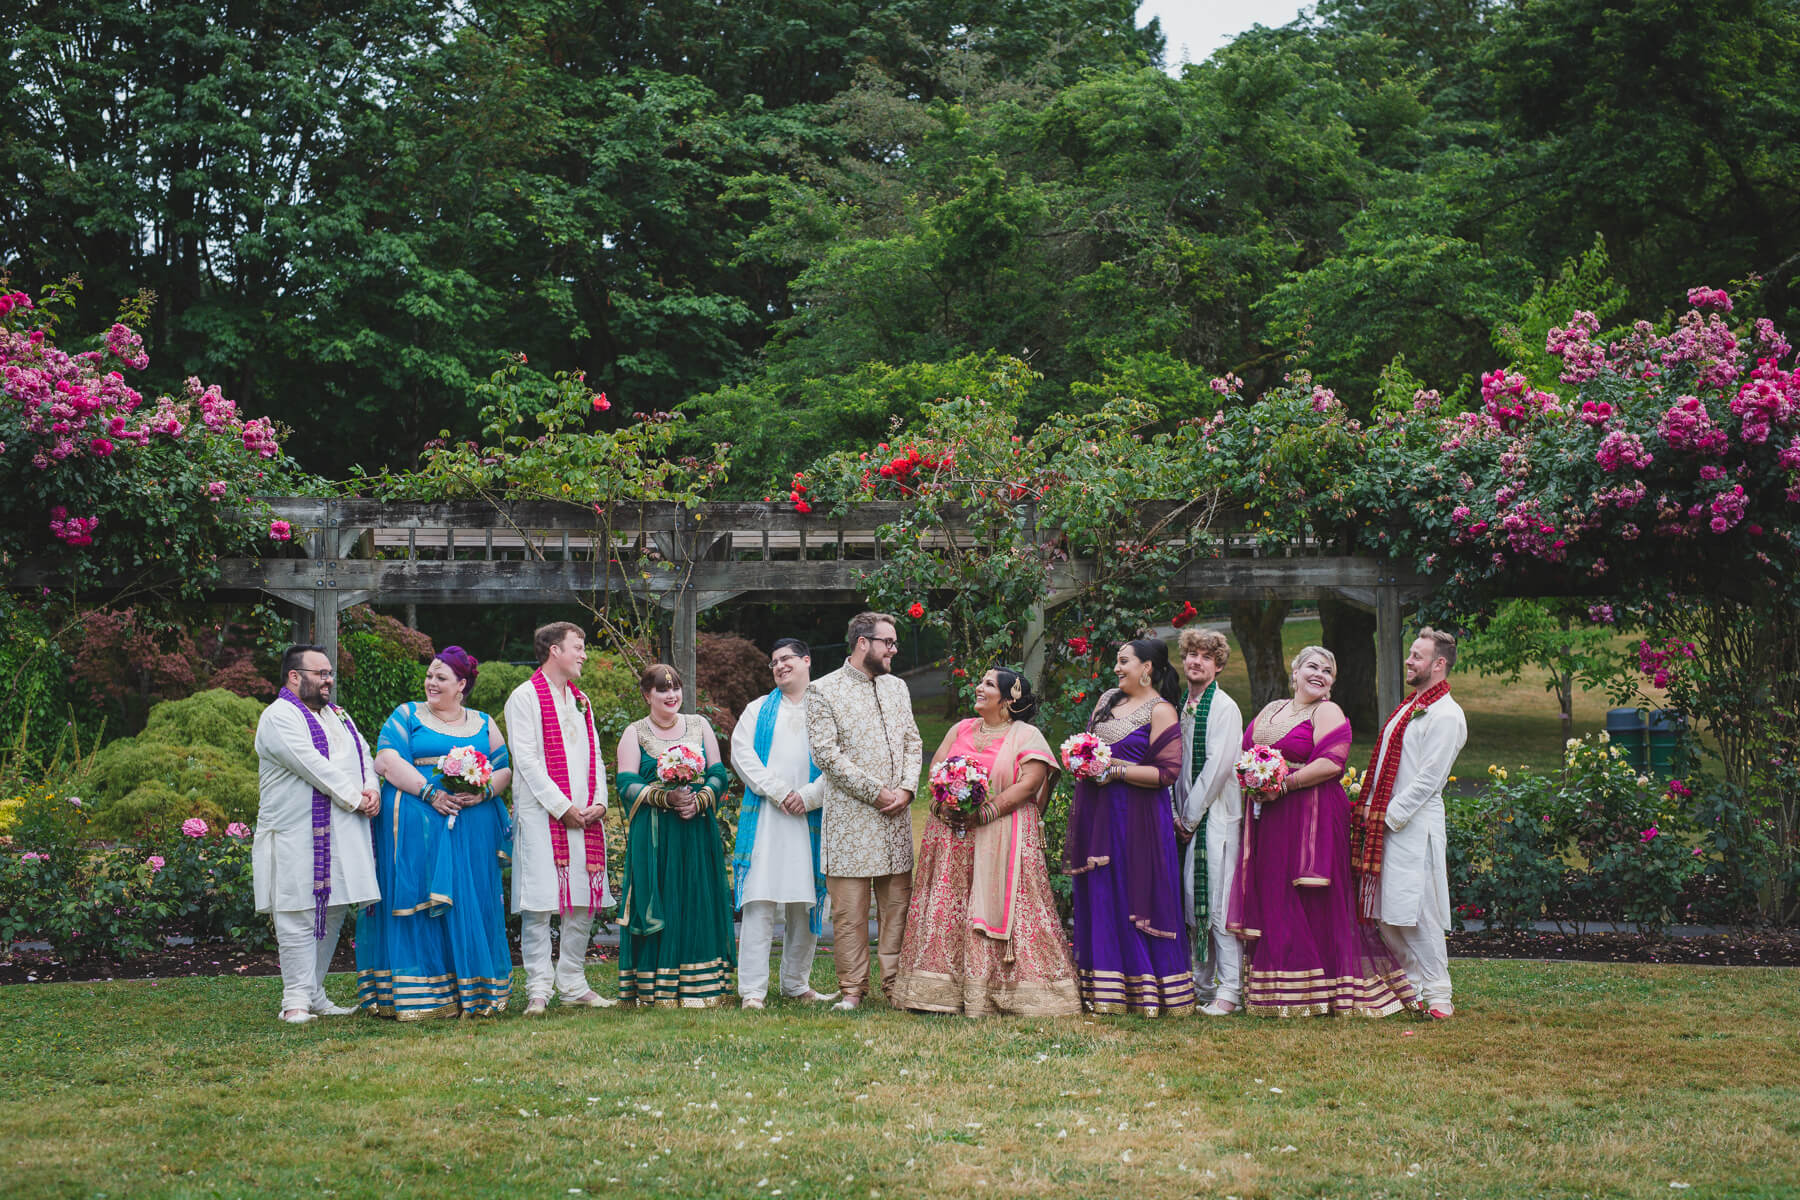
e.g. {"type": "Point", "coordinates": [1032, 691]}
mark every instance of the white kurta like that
{"type": "Point", "coordinates": [1213, 790]}
{"type": "Point", "coordinates": [537, 800]}
{"type": "Point", "coordinates": [288, 768]}
{"type": "Point", "coordinates": [1415, 880]}
{"type": "Point", "coordinates": [781, 860]}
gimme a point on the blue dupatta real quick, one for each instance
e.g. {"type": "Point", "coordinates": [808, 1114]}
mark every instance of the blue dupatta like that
{"type": "Point", "coordinates": [745, 843]}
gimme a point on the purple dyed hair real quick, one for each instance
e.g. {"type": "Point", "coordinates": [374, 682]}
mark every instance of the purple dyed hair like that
{"type": "Point", "coordinates": [462, 664]}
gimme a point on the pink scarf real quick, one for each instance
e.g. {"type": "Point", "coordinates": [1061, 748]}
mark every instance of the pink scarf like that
{"type": "Point", "coordinates": [556, 762]}
{"type": "Point", "coordinates": [1000, 844]}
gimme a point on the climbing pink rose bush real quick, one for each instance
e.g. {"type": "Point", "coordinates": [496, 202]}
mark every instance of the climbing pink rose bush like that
{"type": "Point", "coordinates": [98, 481]}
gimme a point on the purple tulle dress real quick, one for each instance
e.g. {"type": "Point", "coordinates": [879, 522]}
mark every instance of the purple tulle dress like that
{"type": "Point", "coordinates": [1131, 941]}
{"type": "Point", "coordinates": [1293, 901]}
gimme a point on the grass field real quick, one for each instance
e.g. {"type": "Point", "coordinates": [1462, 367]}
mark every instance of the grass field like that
{"type": "Point", "coordinates": [1554, 1080]}
{"type": "Point", "coordinates": [1509, 724]}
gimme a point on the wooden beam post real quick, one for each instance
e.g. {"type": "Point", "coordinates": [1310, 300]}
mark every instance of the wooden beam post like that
{"type": "Point", "coordinates": [1035, 627]}
{"type": "Point", "coordinates": [685, 637]}
{"type": "Point", "coordinates": [325, 623]}
{"type": "Point", "coordinates": [1390, 649]}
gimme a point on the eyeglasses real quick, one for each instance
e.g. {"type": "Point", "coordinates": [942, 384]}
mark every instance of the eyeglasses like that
{"type": "Point", "coordinates": [892, 643]}
{"type": "Point", "coordinates": [325, 673]}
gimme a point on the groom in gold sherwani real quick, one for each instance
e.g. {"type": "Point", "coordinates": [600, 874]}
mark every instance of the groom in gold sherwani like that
{"type": "Point", "coordinates": [866, 745]}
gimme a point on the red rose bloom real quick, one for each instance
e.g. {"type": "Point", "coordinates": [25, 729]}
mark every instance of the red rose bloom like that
{"type": "Point", "coordinates": [916, 611]}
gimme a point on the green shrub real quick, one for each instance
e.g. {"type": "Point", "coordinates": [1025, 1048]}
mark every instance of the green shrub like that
{"type": "Point", "coordinates": [1593, 841]}
{"type": "Point", "coordinates": [195, 758]}
{"type": "Point", "coordinates": [148, 788]}
{"type": "Point", "coordinates": [212, 718]}
{"type": "Point", "coordinates": [96, 905]}
{"type": "Point", "coordinates": [35, 701]}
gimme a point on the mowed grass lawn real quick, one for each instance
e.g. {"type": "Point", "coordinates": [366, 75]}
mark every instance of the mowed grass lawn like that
{"type": "Point", "coordinates": [1509, 724]}
{"type": "Point", "coordinates": [1559, 1079]}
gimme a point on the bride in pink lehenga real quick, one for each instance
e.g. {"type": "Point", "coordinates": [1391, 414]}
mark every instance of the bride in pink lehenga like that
{"type": "Point", "coordinates": [982, 934]}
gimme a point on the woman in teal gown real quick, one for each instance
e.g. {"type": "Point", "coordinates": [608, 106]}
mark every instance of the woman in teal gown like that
{"type": "Point", "coordinates": [676, 947]}
{"type": "Point", "coordinates": [435, 944]}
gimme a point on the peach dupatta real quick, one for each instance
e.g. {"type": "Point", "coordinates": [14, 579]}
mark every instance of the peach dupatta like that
{"type": "Point", "coordinates": [994, 883]}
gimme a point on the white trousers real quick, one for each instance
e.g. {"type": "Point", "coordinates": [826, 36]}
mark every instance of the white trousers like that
{"type": "Point", "coordinates": [569, 980]}
{"type": "Point", "coordinates": [1223, 977]}
{"type": "Point", "coordinates": [1425, 958]}
{"type": "Point", "coordinates": [306, 960]}
{"type": "Point", "coordinates": [756, 934]}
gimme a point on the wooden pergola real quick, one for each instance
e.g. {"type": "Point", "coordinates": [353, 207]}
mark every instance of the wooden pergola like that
{"type": "Point", "coordinates": [685, 560]}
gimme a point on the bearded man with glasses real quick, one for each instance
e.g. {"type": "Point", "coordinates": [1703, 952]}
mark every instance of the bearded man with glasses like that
{"type": "Point", "coordinates": [859, 720]}
{"type": "Point", "coordinates": [311, 859]}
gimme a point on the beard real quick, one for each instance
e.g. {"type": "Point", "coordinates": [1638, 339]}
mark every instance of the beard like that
{"type": "Point", "coordinates": [1417, 682]}
{"type": "Point", "coordinates": [874, 668]}
{"type": "Point", "coordinates": [311, 693]}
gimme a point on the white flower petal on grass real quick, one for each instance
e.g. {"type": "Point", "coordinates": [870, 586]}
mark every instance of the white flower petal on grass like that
{"type": "Point", "coordinates": [1678, 1185]}
{"type": "Point", "coordinates": [1124, 1156]}
{"type": "Point", "coordinates": [1277, 1091]}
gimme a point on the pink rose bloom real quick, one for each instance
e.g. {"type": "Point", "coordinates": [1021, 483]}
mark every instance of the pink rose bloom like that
{"type": "Point", "coordinates": [237, 829]}
{"type": "Point", "coordinates": [156, 862]}
{"type": "Point", "coordinates": [281, 531]}
{"type": "Point", "coordinates": [215, 490]}
{"type": "Point", "coordinates": [193, 827]}
{"type": "Point", "coordinates": [1650, 834]}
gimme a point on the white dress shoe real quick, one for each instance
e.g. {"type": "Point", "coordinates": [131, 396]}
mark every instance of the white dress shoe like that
{"type": "Point", "coordinates": [328, 1009]}
{"type": "Point", "coordinates": [297, 1016]}
{"type": "Point", "coordinates": [590, 1000]}
{"type": "Point", "coordinates": [1213, 1010]}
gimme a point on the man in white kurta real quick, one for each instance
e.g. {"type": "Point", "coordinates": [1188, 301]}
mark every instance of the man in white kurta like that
{"type": "Point", "coordinates": [1415, 880]}
{"type": "Point", "coordinates": [779, 883]}
{"type": "Point", "coordinates": [1209, 792]}
{"type": "Point", "coordinates": [537, 889]}
{"type": "Point", "coordinates": [290, 768]}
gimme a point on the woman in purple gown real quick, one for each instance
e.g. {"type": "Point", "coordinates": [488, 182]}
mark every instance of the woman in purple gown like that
{"type": "Point", "coordinates": [1131, 941]}
{"type": "Point", "coordinates": [1293, 901]}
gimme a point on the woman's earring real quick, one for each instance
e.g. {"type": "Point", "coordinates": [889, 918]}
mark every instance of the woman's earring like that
{"type": "Point", "coordinates": [1144, 682]}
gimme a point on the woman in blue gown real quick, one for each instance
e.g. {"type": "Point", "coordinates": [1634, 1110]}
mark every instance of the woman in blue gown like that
{"type": "Point", "coordinates": [435, 944]}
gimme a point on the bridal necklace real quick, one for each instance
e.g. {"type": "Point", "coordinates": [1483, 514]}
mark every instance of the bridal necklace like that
{"type": "Point", "coordinates": [669, 728]}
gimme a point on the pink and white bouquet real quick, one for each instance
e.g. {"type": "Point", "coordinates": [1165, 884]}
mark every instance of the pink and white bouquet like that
{"type": "Point", "coordinates": [1086, 755]}
{"type": "Point", "coordinates": [1261, 770]}
{"type": "Point", "coordinates": [959, 784]}
{"type": "Point", "coordinates": [680, 764]}
{"type": "Point", "coordinates": [466, 770]}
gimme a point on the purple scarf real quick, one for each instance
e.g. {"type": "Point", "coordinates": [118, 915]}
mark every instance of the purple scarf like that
{"type": "Point", "coordinates": [321, 805]}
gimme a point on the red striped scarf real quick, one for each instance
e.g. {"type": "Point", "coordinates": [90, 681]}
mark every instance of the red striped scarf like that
{"type": "Point", "coordinates": [1368, 832]}
{"type": "Point", "coordinates": [556, 762]}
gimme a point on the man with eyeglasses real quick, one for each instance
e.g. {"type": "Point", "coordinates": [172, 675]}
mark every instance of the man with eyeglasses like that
{"type": "Point", "coordinates": [775, 866]}
{"type": "Point", "coordinates": [311, 859]}
{"type": "Point", "coordinates": [864, 739]}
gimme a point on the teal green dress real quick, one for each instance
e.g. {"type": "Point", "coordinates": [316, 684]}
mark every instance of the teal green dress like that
{"type": "Point", "coordinates": [676, 948]}
{"type": "Point", "coordinates": [435, 944]}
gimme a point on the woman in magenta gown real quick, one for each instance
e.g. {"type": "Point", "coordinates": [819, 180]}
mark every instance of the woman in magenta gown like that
{"type": "Point", "coordinates": [1293, 901]}
{"type": "Point", "coordinates": [1131, 939]}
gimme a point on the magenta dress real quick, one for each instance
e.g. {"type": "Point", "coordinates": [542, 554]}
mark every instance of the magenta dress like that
{"type": "Point", "coordinates": [1131, 937]}
{"type": "Point", "coordinates": [1293, 901]}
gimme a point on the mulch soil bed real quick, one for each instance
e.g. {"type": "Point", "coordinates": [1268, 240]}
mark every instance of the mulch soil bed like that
{"type": "Point", "coordinates": [1770, 948]}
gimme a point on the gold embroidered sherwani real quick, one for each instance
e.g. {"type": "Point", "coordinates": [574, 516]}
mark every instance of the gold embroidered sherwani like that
{"type": "Point", "coordinates": [863, 739]}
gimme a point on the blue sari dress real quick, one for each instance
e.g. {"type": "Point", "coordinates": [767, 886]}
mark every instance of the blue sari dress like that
{"type": "Point", "coordinates": [435, 944]}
